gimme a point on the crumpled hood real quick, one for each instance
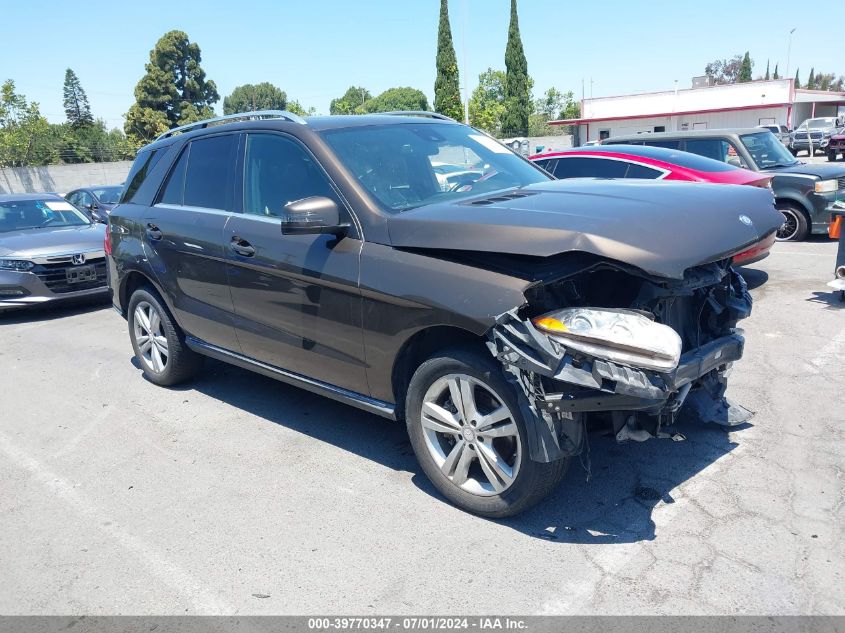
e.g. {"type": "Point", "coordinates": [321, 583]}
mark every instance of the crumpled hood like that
{"type": "Point", "coordinates": [52, 241]}
{"type": "Point", "coordinates": [662, 228]}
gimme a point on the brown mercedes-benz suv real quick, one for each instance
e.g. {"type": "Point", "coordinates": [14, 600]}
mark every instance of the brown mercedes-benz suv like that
{"type": "Point", "coordinates": [493, 314]}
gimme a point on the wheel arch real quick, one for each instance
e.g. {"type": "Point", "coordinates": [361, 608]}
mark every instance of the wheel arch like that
{"type": "Point", "coordinates": [421, 346]}
{"type": "Point", "coordinates": [133, 280]}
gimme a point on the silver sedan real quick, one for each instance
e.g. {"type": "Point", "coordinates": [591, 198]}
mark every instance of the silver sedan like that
{"type": "Point", "coordinates": [49, 250]}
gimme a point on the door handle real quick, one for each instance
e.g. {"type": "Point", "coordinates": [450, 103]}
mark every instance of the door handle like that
{"type": "Point", "coordinates": [153, 232]}
{"type": "Point", "coordinates": [242, 247]}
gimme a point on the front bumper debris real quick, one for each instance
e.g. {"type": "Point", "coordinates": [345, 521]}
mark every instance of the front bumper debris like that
{"type": "Point", "coordinates": [589, 385]}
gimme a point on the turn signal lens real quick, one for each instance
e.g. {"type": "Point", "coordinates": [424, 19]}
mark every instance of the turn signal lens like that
{"type": "Point", "coordinates": [549, 324]}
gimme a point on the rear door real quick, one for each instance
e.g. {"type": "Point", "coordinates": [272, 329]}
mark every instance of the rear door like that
{"type": "Point", "coordinates": [296, 297]}
{"type": "Point", "coordinates": [184, 237]}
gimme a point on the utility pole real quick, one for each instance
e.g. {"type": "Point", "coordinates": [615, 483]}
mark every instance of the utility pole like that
{"type": "Point", "coordinates": [466, 64]}
{"type": "Point", "coordinates": [789, 51]}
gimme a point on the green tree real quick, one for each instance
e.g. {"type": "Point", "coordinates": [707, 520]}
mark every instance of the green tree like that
{"type": "Point", "coordinates": [745, 69]}
{"type": "Point", "coordinates": [25, 135]}
{"type": "Point", "coordinates": [768, 76]}
{"type": "Point", "coordinates": [91, 144]}
{"type": "Point", "coordinates": [797, 81]}
{"type": "Point", "coordinates": [776, 76]}
{"type": "Point", "coordinates": [724, 71]}
{"type": "Point", "coordinates": [173, 91]}
{"type": "Point", "coordinates": [554, 104]}
{"type": "Point", "coordinates": [294, 107]}
{"type": "Point", "coordinates": [397, 99]}
{"type": "Point", "coordinates": [249, 98]}
{"type": "Point", "coordinates": [447, 90]}
{"type": "Point", "coordinates": [352, 101]}
{"type": "Point", "coordinates": [487, 103]}
{"type": "Point", "coordinates": [811, 80]}
{"type": "Point", "coordinates": [77, 108]}
{"type": "Point", "coordinates": [517, 89]}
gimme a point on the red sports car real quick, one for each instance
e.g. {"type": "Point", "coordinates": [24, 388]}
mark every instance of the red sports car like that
{"type": "Point", "coordinates": [656, 163]}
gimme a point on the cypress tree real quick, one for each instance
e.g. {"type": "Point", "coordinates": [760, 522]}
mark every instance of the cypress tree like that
{"type": "Point", "coordinates": [767, 70]}
{"type": "Point", "coordinates": [77, 108]}
{"type": "Point", "coordinates": [447, 91]}
{"type": "Point", "coordinates": [776, 76]}
{"type": "Point", "coordinates": [797, 81]}
{"type": "Point", "coordinates": [811, 80]}
{"type": "Point", "coordinates": [517, 89]}
{"type": "Point", "coordinates": [745, 69]}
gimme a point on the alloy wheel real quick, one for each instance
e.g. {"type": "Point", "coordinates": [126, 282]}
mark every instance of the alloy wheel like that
{"type": "Point", "coordinates": [471, 434]}
{"type": "Point", "coordinates": [789, 227]}
{"type": "Point", "coordinates": [150, 337]}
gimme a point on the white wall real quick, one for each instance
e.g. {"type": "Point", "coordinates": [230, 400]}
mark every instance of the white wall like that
{"type": "Point", "coordinates": [762, 93]}
{"type": "Point", "coordinates": [62, 178]}
{"type": "Point", "coordinates": [710, 121]}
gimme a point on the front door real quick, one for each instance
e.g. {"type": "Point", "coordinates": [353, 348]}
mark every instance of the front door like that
{"type": "Point", "coordinates": [296, 297]}
{"type": "Point", "coordinates": [184, 238]}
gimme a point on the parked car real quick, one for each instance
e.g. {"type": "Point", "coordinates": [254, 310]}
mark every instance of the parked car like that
{"type": "Point", "coordinates": [492, 319]}
{"type": "Point", "coordinates": [803, 193]}
{"type": "Point", "coordinates": [96, 202]}
{"type": "Point", "coordinates": [654, 163]}
{"type": "Point", "coordinates": [48, 251]}
{"type": "Point", "coordinates": [818, 130]}
{"type": "Point", "coordinates": [783, 133]}
{"type": "Point", "coordinates": [836, 146]}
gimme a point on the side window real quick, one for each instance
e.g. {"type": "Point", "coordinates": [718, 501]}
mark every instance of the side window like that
{"type": "Point", "coordinates": [143, 165]}
{"type": "Point", "coordinates": [210, 172]}
{"type": "Point", "coordinates": [714, 148]}
{"type": "Point", "coordinates": [636, 170]}
{"type": "Point", "coordinates": [543, 163]}
{"type": "Point", "coordinates": [667, 144]}
{"type": "Point", "coordinates": [73, 198]}
{"type": "Point", "coordinates": [580, 167]}
{"type": "Point", "coordinates": [733, 156]}
{"type": "Point", "coordinates": [174, 189]}
{"type": "Point", "coordinates": [277, 171]}
{"type": "Point", "coordinates": [85, 198]}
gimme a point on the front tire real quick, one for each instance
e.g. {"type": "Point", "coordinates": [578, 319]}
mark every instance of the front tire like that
{"type": "Point", "coordinates": [470, 438]}
{"type": "Point", "coordinates": [158, 342]}
{"type": "Point", "coordinates": [795, 227]}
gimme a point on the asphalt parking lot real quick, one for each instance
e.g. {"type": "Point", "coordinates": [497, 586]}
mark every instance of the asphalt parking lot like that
{"type": "Point", "coordinates": [237, 494]}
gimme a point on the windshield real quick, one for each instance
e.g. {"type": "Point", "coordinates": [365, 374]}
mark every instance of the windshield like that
{"type": "Point", "coordinates": [406, 165]}
{"type": "Point", "coordinates": [816, 124]}
{"type": "Point", "coordinates": [767, 151]}
{"type": "Point", "coordinates": [19, 215]}
{"type": "Point", "coordinates": [107, 195]}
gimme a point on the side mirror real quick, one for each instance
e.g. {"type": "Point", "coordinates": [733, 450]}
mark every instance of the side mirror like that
{"type": "Point", "coordinates": [312, 216]}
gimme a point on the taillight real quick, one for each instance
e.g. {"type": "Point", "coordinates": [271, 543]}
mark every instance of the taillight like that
{"type": "Point", "coordinates": [107, 240]}
{"type": "Point", "coordinates": [758, 249]}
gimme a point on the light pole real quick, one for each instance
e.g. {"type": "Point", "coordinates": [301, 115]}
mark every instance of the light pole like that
{"type": "Point", "coordinates": [789, 52]}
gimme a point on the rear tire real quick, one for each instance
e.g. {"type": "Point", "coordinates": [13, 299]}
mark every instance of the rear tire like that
{"type": "Point", "coordinates": [831, 156]}
{"type": "Point", "coordinates": [159, 343]}
{"type": "Point", "coordinates": [475, 452]}
{"type": "Point", "coordinates": [795, 227]}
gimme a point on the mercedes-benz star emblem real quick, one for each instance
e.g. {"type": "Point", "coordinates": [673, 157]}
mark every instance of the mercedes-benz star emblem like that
{"type": "Point", "coordinates": [78, 259]}
{"type": "Point", "coordinates": [745, 220]}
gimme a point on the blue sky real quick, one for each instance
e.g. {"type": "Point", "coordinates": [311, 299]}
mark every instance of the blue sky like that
{"type": "Point", "coordinates": [315, 49]}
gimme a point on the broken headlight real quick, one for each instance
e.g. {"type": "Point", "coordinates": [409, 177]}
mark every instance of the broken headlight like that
{"type": "Point", "coordinates": [621, 336]}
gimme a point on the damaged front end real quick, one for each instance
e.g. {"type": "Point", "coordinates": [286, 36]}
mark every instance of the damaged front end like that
{"type": "Point", "coordinates": [612, 340]}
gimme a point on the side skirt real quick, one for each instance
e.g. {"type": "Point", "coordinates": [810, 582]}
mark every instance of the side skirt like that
{"type": "Point", "coordinates": [359, 400]}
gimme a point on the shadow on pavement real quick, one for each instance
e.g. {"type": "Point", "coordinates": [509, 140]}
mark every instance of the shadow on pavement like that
{"type": "Point", "coordinates": [613, 507]}
{"type": "Point", "coordinates": [54, 310]}
{"type": "Point", "coordinates": [832, 299]}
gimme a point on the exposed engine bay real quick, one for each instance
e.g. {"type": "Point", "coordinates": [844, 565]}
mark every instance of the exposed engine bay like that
{"type": "Point", "coordinates": [610, 340]}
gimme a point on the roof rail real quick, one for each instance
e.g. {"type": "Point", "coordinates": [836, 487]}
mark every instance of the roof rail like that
{"type": "Point", "coordinates": [240, 116]}
{"type": "Point", "coordinates": [423, 113]}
